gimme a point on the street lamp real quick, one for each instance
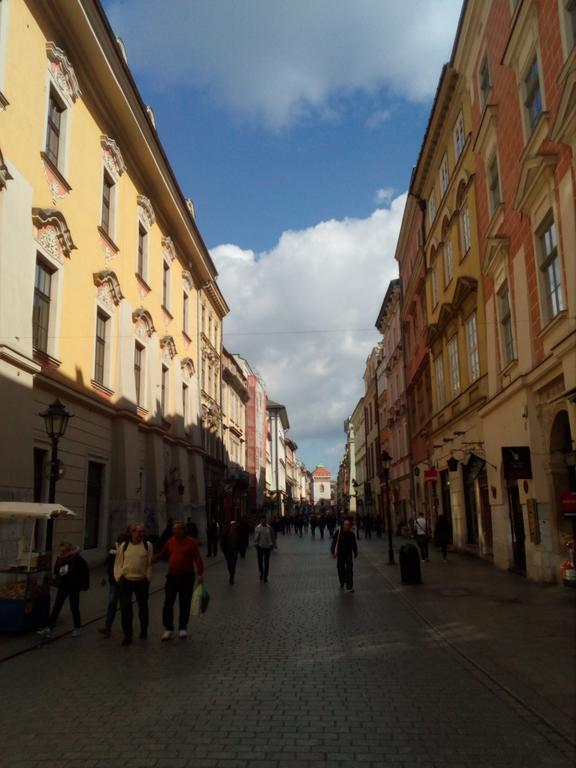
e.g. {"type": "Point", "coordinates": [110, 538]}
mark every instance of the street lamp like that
{"type": "Point", "coordinates": [385, 460]}
{"type": "Point", "coordinates": [56, 419]}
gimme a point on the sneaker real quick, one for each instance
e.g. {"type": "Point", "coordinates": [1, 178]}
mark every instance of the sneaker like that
{"type": "Point", "coordinates": [167, 635]}
{"type": "Point", "coordinates": [351, 589]}
{"type": "Point", "coordinates": [182, 634]}
{"type": "Point", "coordinates": [46, 632]}
{"type": "Point", "coordinates": [104, 631]}
{"type": "Point", "coordinates": [75, 632]}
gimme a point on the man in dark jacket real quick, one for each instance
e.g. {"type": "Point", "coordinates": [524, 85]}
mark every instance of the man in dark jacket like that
{"type": "Point", "coordinates": [344, 548]}
{"type": "Point", "coordinates": [71, 576]}
{"type": "Point", "coordinates": [230, 544]}
{"type": "Point", "coordinates": [212, 537]}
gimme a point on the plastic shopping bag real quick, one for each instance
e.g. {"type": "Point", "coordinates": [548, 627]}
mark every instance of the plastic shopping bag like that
{"type": "Point", "coordinates": [196, 608]}
{"type": "Point", "coordinates": [205, 600]}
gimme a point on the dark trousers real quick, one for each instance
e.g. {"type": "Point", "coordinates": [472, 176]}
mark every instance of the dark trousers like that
{"type": "Point", "coordinates": [61, 596]}
{"type": "Point", "coordinates": [212, 546]}
{"type": "Point", "coordinates": [231, 560]}
{"type": "Point", "coordinates": [444, 548]}
{"type": "Point", "coordinates": [263, 561]}
{"type": "Point", "coordinates": [113, 597]}
{"type": "Point", "coordinates": [345, 567]}
{"type": "Point", "coordinates": [181, 587]}
{"type": "Point", "coordinates": [422, 541]}
{"type": "Point", "coordinates": [139, 589]}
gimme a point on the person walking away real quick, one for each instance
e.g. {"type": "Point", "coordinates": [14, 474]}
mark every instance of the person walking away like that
{"type": "Point", "coordinates": [212, 531]}
{"type": "Point", "coordinates": [322, 525]}
{"type": "Point", "coordinates": [313, 523]}
{"type": "Point", "coordinates": [264, 543]}
{"type": "Point", "coordinates": [421, 533]}
{"type": "Point", "coordinates": [183, 557]}
{"type": "Point", "coordinates": [132, 571]}
{"type": "Point", "coordinates": [344, 548]}
{"type": "Point", "coordinates": [442, 535]}
{"type": "Point", "coordinates": [71, 576]}
{"type": "Point", "coordinates": [230, 545]}
{"type": "Point", "coordinates": [368, 526]}
{"type": "Point", "coordinates": [378, 526]}
{"type": "Point", "coordinates": [243, 537]}
{"type": "Point", "coordinates": [191, 528]}
{"type": "Point", "coordinates": [113, 591]}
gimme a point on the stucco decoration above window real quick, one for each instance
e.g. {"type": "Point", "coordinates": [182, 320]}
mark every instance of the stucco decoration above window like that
{"type": "Point", "coordinates": [187, 278]}
{"type": "Point", "coordinates": [109, 292]}
{"type": "Point", "coordinates": [63, 72]}
{"type": "Point", "coordinates": [142, 319]}
{"type": "Point", "coordinates": [168, 347]}
{"type": "Point", "coordinates": [168, 248]}
{"type": "Point", "coordinates": [52, 234]}
{"type": "Point", "coordinates": [113, 159]}
{"type": "Point", "coordinates": [4, 173]}
{"type": "Point", "coordinates": [146, 211]}
{"type": "Point", "coordinates": [187, 367]}
{"type": "Point", "coordinates": [211, 415]}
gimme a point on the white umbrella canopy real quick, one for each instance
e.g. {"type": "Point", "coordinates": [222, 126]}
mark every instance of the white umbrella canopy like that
{"type": "Point", "coordinates": [17, 510]}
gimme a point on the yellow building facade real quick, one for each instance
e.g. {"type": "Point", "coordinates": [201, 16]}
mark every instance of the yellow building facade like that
{"type": "Point", "coordinates": [444, 179]}
{"type": "Point", "coordinates": [104, 278]}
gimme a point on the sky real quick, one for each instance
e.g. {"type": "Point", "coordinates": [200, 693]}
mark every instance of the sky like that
{"type": "Point", "coordinates": [294, 126]}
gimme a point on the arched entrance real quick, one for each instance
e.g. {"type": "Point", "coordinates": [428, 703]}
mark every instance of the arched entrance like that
{"type": "Point", "coordinates": [563, 474]}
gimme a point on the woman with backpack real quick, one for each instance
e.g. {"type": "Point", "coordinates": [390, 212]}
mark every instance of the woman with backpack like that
{"type": "Point", "coordinates": [71, 576]}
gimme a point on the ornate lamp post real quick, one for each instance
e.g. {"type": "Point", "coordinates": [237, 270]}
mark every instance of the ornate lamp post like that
{"type": "Point", "coordinates": [385, 460]}
{"type": "Point", "coordinates": [56, 419]}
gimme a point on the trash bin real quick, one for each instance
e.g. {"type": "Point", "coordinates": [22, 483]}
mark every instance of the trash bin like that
{"type": "Point", "coordinates": [410, 564]}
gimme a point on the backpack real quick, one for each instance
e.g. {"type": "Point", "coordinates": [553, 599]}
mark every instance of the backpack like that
{"type": "Point", "coordinates": [125, 545]}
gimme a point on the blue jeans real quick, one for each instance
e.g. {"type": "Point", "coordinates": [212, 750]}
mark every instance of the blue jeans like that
{"type": "Point", "coordinates": [113, 597]}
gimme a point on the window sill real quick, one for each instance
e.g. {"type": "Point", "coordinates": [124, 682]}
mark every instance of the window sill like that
{"type": "Point", "coordinates": [142, 282]}
{"type": "Point", "coordinates": [187, 337]}
{"type": "Point", "coordinates": [101, 388]}
{"type": "Point", "coordinates": [167, 312]}
{"type": "Point", "coordinates": [508, 367]}
{"type": "Point", "coordinates": [142, 412]}
{"type": "Point", "coordinates": [108, 239]}
{"type": "Point", "coordinates": [54, 169]}
{"type": "Point", "coordinates": [551, 324]}
{"type": "Point", "coordinates": [45, 360]}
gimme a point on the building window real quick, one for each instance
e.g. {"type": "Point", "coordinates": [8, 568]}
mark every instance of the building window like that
{"type": "Point", "coordinates": [454, 364]}
{"type": "Point", "coordinates": [165, 284]}
{"type": "Point", "coordinates": [54, 127]}
{"type": "Point", "coordinates": [138, 373]}
{"type": "Point", "coordinates": [100, 349]}
{"type": "Point", "coordinates": [164, 391]}
{"type": "Point", "coordinates": [459, 136]}
{"type": "Point", "coordinates": [494, 184]}
{"type": "Point", "coordinates": [465, 230]}
{"type": "Point", "coordinates": [431, 208]}
{"type": "Point", "coordinates": [434, 284]}
{"type": "Point", "coordinates": [484, 80]}
{"type": "Point", "coordinates": [550, 269]}
{"type": "Point", "coordinates": [533, 93]}
{"type": "Point", "coordinates": [570, 21]}
{"type": "Point", "coordinates": [505, 314]}
{"type": "Point", "coordinates": [185, 312]}
{"type": "Point", "coordinates": [107, 201]}
{"type": "Point", "coordinates": [472, 342]}
{"type": "Point", "coordinates": [439, 375]}
{"type": "Point", "coordinates": [444, 176]}
{"type": "Point", "coordinates": [41, 312]}
{"type": "Point", "coordinates": [142, 251]}
{"type": "Point", "coordinates": [448, 262]}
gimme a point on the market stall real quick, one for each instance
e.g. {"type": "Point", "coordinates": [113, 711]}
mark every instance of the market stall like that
{"type": "Point", "coordinates": [25, 582]}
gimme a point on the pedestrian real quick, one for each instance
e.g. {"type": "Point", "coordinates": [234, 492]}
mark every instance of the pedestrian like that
{"type": "Point", "coordinates": [113, 590]}
{"type": "Point", "coordinates": [344, 548]}
{"type": "Point", "coordinates": [322, 525]}
{"type": "Point", "coordinates": [71, 576]}
{"type": "Point", "coordinates": [368, 526]}
{"type": "Point", "coordinates": [442, 535]}
{"type": "Point", "coordinates": [184, 562]}
{"type": "Point", "coordinates": [421, 533]}
{"type": "Point", "coordinates": [243, 537]}
{"type": "Point", "coordinates": [264, 542]}
{"type": "Point", "coordinates": [191, 528]}
{"type": "Point", "coordinates": [378, 526]}
{"type": "Point", "coordinates": [132, 571]}
{"type": "Point", "coordinates": [230, 544]}
{"type": "Point", "coordinates": [166, 533]}
{"type": "Point", "coordinates": [212, 530]}
{"type": "Point", "coordinates": [313, 523]}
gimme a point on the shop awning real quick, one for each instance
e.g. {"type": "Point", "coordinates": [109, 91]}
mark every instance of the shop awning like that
{"type": "Point", "coordinates": [16, 510]}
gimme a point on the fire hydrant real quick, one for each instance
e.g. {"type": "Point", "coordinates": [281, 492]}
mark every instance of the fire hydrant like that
{"type": "Point", "coordinates": [568, 568]}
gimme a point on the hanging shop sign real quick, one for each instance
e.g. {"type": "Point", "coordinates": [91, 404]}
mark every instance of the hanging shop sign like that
{"type": "Point", "coordinates": [430, 475]}
{"type": "Point", "coordinates": [516, 463]}
{"type": "Point", "coordinates": [568, 503]}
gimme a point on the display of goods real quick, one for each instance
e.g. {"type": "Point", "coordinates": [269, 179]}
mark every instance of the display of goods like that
{"type": "Point", "coordinates": [16, 590]}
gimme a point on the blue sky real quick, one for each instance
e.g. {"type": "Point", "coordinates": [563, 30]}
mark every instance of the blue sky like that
{"type": "Point", "coordinates": [294, 127]}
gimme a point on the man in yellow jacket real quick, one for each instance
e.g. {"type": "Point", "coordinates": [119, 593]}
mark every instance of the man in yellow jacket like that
{"type": "Point", "coordinates": [132, 571]}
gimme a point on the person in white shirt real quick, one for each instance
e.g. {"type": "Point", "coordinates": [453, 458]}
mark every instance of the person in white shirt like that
{"type": "Point", "coordinates": [264, 541]}
{"type": "Point", "coordinates": [421, 533]}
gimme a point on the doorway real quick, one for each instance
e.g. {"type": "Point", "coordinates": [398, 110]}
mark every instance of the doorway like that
{"type": "Point", "coordinates": [517, 527]}
{"type": "Point", "coordinates": [446, 500]}
{"type": "Point", "coordinates": [94, 487]}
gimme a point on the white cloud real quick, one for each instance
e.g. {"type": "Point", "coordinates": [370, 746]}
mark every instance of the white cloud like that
{"type": "Point", "coordinates": [280, 61]}
{"type": "Point", "coordinates": [378, 118]}
{"type": "Point", "coordinates": [304, 313]}
{"type": "Point", "coordinates": [384, 195]}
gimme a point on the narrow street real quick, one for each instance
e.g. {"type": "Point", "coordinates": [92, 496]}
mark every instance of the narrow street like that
{"type": "Point", "coordinates": [289, 673]}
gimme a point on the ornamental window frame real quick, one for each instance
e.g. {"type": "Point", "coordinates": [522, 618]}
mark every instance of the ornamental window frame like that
{"type": "Point", "coordinates": [549, 263]}
{"type": "Point", "coordinates": [465, 230]}
{"type": "Point", "coordinates": [164, 389]}
{"type": "Point", "coordinates": [459, 134]}
{"type": "Point", "coordinates": [471, 326]}
{"type": "Point", "coordinates": [44, 300]}
{"type": "Point", "coordinates": [532, 93]}
{"type": "Point", "coordinates": [454, 366]}
{"type": "Point", "coordinates": [567, 14]}
{"type": "Point", "coordinates": [113, 166]}
{"type": "Point", "coordinates": [505, 323]}
{"type": "Point", "coordinates": [166, 284]}
{"type": "Point", "coordinates": [439, 380]}
{"type": "Point", "coordinates": [144, 223]}
{"type": "Point", "coordinates": [55, 268]}
{"type": "Point", "coordinates": [444, 175]}
{"type": "Point", "coordinates": [484, 80]}
{"type": "Point", "coordinates": [432, 210]}
{"type": "Point", "coordinates": [105, 312]}
{"type": "Point", "coordinates": [140, 379]}
{"type": "Point", "coordinates": [61, 88]}
{"type": "Point", "coordinates": [448, 260]}
{"type": "Point", "coordinates": [493, 183]}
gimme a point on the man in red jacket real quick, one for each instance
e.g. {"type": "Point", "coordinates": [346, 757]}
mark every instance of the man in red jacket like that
{"type": "Point", "coordinates": [183, 555]}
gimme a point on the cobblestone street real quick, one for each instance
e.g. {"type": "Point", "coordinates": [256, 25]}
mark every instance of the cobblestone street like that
{"type": "Point", "coordinates": [289, 673]}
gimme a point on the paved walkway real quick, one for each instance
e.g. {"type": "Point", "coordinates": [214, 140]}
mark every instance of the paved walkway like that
{"type": "Point", "coordinates": [296, 673]}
